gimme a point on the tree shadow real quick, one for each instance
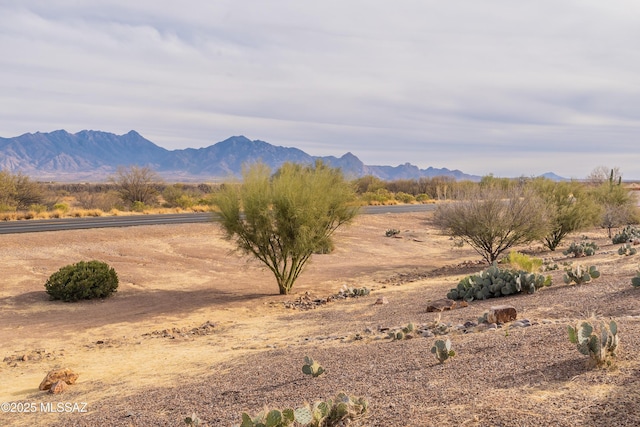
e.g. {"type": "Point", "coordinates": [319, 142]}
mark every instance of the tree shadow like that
{"type": "Point", "coordinates": [129, 306]}
{"type": "Point", "coordinates": [620, 406]}
{"type": "Point", "coordinates": [553, 373]}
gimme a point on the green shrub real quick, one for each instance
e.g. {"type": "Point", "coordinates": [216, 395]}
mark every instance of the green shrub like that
{"type": "Point", "coordinates": [138, 206]}
{"type": "Point", "coordinates": [422, 198]}
{"type": "Point", "coordinates": [84, 280]}
{"type": "Point", "coordinates": [495, 282]}
{"type": "Point", "coordinates": [62, 207]}
{"type": "Point", "coordinates": [381, 196]}
{"type": "Point", "coordinates": [524, 262]}
{"type": "Point", "coordinates": [582, 249]}
{"type": "Point", "coordinates": [404, 197]}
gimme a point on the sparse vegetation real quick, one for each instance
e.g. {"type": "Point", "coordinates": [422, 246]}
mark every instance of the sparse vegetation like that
{"type": "Point", "coordinates": [581, 249]}
{"type": "Point", "coordinates": [628, 234]}
{"type": "Point", "coordinates": [580, 274]}
{"type": "Point", "coordinates": [83, 280]}
{"type": "Point", "coordinates": [599, 342]}
{"type": "Point", "coordinates": [404, 333]}
{"type": "Point", "coordinates": [351, 292]}
{"type": "Point", "coordinates": [330, 413]}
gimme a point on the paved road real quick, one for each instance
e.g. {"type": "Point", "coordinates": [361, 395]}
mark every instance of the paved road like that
{"type": "Point", "coordinates": [31, 226]}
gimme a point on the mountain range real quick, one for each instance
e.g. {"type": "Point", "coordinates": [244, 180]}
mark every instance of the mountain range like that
{"type": "Point", "coordinates": [94, 155]}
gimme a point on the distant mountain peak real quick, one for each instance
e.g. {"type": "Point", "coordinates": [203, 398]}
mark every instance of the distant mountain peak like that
{"type": "Point", "coordinates": [91, 154]}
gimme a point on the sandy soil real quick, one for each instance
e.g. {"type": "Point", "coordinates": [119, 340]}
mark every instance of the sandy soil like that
{"type": "Point", "coordinates": [196, 327]}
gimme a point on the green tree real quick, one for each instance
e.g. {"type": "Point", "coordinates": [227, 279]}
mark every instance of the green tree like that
{"type": "Point", "coordinates": [619, 205]}
{"type": "Point", "coordinates": [493, 219]}
{"type": "Point", "coordinates": [570, 206]}
{"type": "Point", "coordinates": [283, 219]}
{"type": "Point", "coordinates": [136, 184]}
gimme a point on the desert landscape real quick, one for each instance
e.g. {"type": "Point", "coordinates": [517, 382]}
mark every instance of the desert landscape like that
{"type": "Point", "coordinates": [196, 327]}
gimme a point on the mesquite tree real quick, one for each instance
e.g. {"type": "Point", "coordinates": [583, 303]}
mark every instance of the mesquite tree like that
{"type": "Point", "coordinates": [493, 219]}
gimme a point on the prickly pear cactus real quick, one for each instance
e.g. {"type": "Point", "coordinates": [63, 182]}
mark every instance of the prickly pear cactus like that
{"type": "Point", "coordinates": [627, 250]}
{"type": "Point", "coordinates": [636, 280]}
{"type": "Point", "coordinates": [582, 249]}
{"type": "Point", "coordinates": [599, 342]}
{"type": "Point", "coordinates": [627, 234]}
{"type": "Point", "coordinates": [311, 367]}
{"type": "Point", "coordinates": [404, 333]}
{"type": "Point", "coordinates": [495, 282]}
{"type": "Point", "coordinates": [442, 350]}
{"type": "Point", "coordinates": [303, 415]}
{"type": "Point", "coordinates": [580, 274]}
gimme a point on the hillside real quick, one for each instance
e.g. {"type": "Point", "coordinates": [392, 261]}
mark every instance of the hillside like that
{"type": "Point", "coordinates": [93, 155]}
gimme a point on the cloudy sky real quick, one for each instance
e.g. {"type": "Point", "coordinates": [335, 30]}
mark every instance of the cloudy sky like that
{"type": "Point", "coordinates": [506, 87]}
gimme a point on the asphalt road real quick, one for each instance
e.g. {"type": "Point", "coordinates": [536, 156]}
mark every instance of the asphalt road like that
{"type": "Point", "coordinates": [61, 224]}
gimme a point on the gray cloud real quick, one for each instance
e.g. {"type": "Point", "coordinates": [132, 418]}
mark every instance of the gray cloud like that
{"type": "Point", "coordinates": [493, 86]}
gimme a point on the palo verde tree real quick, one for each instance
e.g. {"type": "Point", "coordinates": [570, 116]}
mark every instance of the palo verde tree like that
{"type": "Point", "coordinates": [283, 219]}
{"type": "Point", "coordinates": [570, 207]}
{"type": "Point", "coordinates": [493, 219]}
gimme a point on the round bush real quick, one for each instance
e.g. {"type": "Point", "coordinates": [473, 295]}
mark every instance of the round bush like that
{"type": "Point", "coordinates": [84, 280]}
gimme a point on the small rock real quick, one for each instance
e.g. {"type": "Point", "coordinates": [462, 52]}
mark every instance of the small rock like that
{"type": "Point", "coordinates": [427, 334]}
{"type": "Point", "coordinates": [445, 304]}
{"type": "Point", "coordinates": [502, 314]}
{"type": "Point", "coordinates": [66, 375]}
{"type": "Point", "coordinates": [546, 321]}
{"type": "Point", "coordinates": [518, 324]}
{"type": "Point", "coordinates": [492, 326]}
{"type": "Point", "coordinates": [381, 301]}
{"type": "Point", "coordinates": [58, 387]}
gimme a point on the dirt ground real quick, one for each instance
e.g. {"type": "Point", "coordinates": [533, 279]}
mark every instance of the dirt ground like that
{"type": "Point", "coordinates": [197, 327]}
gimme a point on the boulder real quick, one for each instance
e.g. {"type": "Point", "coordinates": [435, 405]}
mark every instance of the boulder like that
{"type": "Point", "coordinates": [66, 375]}
{"type": "Point", "coordinates": [501, 314]}
{"type": "Point", "coordinates": [58, 387]}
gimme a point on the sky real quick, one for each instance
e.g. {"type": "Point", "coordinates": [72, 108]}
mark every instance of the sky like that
{"type": "Point", "coordinates": [502, 87]}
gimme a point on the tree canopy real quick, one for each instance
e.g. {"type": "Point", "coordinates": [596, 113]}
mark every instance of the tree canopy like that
{"type": "Point", "coordinates": [283, 219]}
